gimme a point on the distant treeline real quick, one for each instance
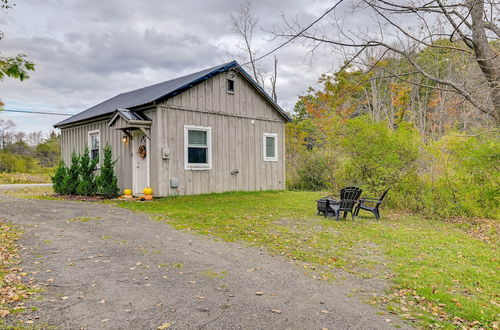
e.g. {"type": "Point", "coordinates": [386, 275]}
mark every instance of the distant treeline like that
{"type": "Point", "coordinates": [27, 152]}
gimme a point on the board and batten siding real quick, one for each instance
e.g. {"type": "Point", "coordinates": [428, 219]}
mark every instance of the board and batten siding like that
{"type": "Point", "coordinates": [76, 139]}
{"type": "Point", "coordinates": [238, 122]}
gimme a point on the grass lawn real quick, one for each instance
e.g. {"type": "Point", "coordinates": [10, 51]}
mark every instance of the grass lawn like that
{"type": "Point", "coordinates": [442, 275]}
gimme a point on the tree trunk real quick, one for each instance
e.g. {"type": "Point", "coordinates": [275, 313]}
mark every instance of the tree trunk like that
{"type": "Point", "coordinates": [485, 56]}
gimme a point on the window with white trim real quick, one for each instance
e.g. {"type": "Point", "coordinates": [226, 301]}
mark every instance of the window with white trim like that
{"type": "Point", "coordinates": [198, 148]}
{"type": "Point", "coordinates": [270, 147]}
{"type": "Point", "coordinates": [94, 144]}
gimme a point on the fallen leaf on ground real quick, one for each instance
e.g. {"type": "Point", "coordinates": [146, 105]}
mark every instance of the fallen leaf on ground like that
{"type": "Point", "coordinates": [102, 301]}
{"type": "Point", "coordinates": [105, 320]}
{"type": "Point", "coordinates": [64, 298]}
{"type": "Point", "coordinates": [388, 320]}
{"type": "Point", "coordinates": [259, 293]}
{"type": "Point", "coordinates": [164, 326]}
{"type": "Point", "coordinates": [325, 312]}
{"type": "Point", "coordinates": [276, 311]}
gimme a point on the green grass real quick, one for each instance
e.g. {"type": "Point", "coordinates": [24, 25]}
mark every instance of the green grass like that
{"type": "Point", "coordinates": [440, 274]}
{"type": "Point", "coordinates": [84, 219]}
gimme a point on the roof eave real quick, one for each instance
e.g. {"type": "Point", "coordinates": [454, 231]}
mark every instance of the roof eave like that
{"type": "Point", "coordinates": [79, 122]}
{"type": "Point", "coordinates": [197, 81]}
{"type": "Point", "coordinates": [275, 105]}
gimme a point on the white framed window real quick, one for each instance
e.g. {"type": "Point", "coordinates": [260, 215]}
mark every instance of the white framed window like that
{"type": "Point", "coordinates": [270, 142]}
{"type": "Point", "coordinates": [94, 144]}
{"type": "Point", "coordinates": [197, 148]}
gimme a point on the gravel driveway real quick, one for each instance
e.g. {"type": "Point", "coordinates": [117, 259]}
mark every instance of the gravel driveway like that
{"type": "Point", "coordinates": [109, 268]}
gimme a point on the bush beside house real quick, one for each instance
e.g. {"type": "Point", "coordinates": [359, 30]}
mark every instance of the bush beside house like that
{"type": "Point", "coordinates": [107, 182]}
{"type": "Point", "coordinates": [80, 179]}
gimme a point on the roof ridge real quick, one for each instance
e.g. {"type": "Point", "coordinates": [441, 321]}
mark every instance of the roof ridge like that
{"type": "Point", "coordinates": [176, 78]}
{"type": "Point", "coordinates": [160, 91]}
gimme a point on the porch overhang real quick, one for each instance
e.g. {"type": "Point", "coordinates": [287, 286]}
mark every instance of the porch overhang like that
{"type": "Point", "coordinates": [127, 121]}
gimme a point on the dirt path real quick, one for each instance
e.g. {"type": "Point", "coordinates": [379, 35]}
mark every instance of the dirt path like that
{"type": "Point", "coordinates": [116, 269]}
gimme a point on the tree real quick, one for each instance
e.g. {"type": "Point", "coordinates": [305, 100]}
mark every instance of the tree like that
{"type": "Point", "coordinates": [16, 66]}
{"type": "Point", "coordinates": [107, 182]}
{"type": "Point", "coordinates": [86, 184]}
{"type": "Point", "coordinates": [469, 24]}
{"type": "Point", "coordinates": [49, 151]}
{"type": "Point", "coordinates": [19, 148]}
{"type": "Point", "coordinates": [6, 129]}
{"type": "Point", "coordinates": [245, 24]}
{"type": "Point", "coordinates": [72, 177]}
{"type": "Point", "coordinates": [59, 178]}
{"type": "Point", "coordinates": [35, 138]}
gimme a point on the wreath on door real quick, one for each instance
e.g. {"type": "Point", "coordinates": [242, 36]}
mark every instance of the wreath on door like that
{"type": "Point", "coordinates": [141, 151]}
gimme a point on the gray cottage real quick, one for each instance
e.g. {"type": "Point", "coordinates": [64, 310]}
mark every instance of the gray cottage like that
{"type": "Point", "coordinates": [211, 131]}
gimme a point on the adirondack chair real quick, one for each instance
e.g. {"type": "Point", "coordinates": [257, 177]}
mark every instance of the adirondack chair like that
{"type": "Point", "coordinates": [348, 198]}
{"type": "Point", "coordinates": [371, 205]}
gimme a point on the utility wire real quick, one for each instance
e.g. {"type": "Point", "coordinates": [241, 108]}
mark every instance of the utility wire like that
{"type": "Point", "coordinates": [255, 60]}
{"type": "Point", "coordinates": [296, 35]}
{"type": "Point", "coordinates": [37, 112]}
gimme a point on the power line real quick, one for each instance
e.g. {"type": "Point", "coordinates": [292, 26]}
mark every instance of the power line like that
{"type": "Point", "coordinates": [37, 112]}
{"type": "Point", "coordinates": [297, 34]}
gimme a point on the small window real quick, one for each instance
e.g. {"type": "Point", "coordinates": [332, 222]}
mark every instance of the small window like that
{"type": "Point", "coordinates": [198, 148]}
{"type": "Point", "coordinates": [94, 144]}
{"type": "Point", "coordinates": [230, 86]}
{"type": "Point", "coordinates": [270, 147]}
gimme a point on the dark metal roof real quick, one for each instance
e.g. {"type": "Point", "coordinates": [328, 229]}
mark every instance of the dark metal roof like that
{"type": "Point", "coordinates": [162, 91]}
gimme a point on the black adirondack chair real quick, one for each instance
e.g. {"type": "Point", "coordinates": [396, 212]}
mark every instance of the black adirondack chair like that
{"type": "Point", "coordinates": [348, 198]}
{"type": "Point", "coordinates": [371, 205]}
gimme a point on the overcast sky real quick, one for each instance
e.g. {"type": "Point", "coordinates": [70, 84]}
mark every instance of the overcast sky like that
{"type": "Point", "coordinates": [87, 51]}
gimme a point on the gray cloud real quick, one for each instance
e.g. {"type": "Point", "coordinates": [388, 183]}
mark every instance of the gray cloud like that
{"type": "Point", "coordinates": [88, 51]}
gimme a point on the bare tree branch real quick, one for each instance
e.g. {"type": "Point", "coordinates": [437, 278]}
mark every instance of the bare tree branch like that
{"type": "Point", "coordinates": [465, 18]}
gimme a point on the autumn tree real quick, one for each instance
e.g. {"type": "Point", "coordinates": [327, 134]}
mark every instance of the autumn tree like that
{"type": "Point", "coordinates": [401, 29]}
